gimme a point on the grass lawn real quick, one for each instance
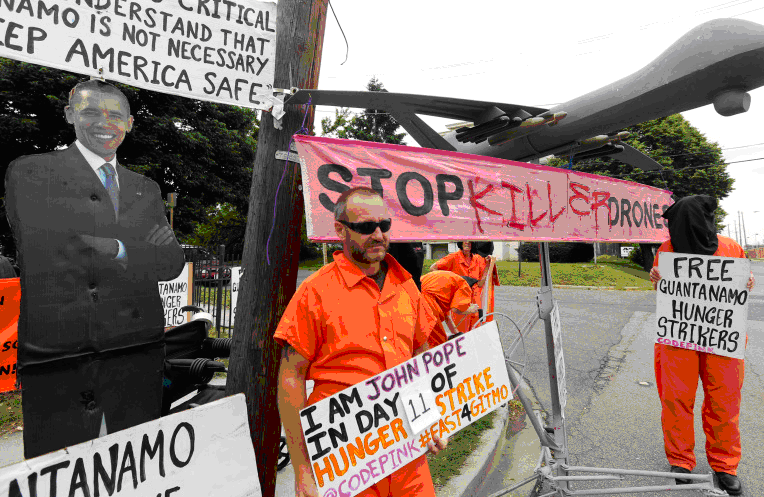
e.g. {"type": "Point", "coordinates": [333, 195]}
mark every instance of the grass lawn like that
{"type": "Point", "coordinates": [315, 264]}
{"type": "Point", "coordinates": [609, 272]}
{"type": "Point", "coordinates": [10, 411]}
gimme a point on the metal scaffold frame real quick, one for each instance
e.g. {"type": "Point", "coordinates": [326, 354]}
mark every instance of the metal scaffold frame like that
{"type": "Point", "coordinates": [553, 467]}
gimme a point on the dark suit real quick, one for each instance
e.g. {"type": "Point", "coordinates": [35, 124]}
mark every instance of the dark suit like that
{"type": "Point", "coordinates": [79, 309]}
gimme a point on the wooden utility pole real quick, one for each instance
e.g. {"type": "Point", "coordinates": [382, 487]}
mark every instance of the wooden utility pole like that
{"type": "Point", "coordinates": [267, 288]}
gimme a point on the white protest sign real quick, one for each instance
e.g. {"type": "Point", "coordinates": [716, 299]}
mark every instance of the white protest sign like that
{"type": "Point", "coordinates": [209, 50]}
{"type": "Point", "coordinates": [702, 303]}
{"type": "Point", "coordinates": [364, 433]}
{"type": "Point", "coordinates": [202, 451]}
{"type": "Point", "coordinates": [559, 358]}
{"type": "Point", "coordinates": [236, 273]}
{"type": "Point", "coordinates": [174, 295]}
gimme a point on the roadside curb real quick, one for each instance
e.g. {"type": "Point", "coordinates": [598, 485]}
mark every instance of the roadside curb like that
{"type": "Point", "coordinates": [509, 443]}
{"type": "Point", "coordinates": [480, 463]}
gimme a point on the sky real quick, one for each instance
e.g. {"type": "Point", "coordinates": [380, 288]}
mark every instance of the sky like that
{"type": "Point", "coordinates": [562, 49]}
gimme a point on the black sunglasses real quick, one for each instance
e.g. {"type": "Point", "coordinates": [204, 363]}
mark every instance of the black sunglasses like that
{"type": "Point", "coordinates": [369, 227]}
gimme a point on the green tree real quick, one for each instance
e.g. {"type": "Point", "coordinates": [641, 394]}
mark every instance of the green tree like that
{"type": "Point", "coordinates": [691, 164]}
{"type": "Point", "coordinates": [371, 125]}
{"type": "Point", "coordinates": [202, 151]}
{"type": "Point", "coordinates": [222, 224]}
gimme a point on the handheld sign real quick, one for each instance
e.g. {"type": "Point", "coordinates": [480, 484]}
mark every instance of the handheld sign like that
{"type": "Point", "coordinates": [236, 274]}
{"type": "Point", "coordinates": [10, 299]}
{"type": "Point", "coordinates": [174, 295]}
{"type": "Point", "coordinates": [202, 451]}
{"type": "Point", "coordinates": [216, 51]}
{"type": "Point", "coordinates": [441, 195]}
{"type": "Point", "coordinates": [368, 431]}
{"type": "Point", "coordinates": [702, 303]}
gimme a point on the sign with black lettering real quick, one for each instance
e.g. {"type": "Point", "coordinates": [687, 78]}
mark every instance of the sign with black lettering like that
{"type": "Point", "coordinates": [202, 451]}
{"type": "Point", "coordinates": [236, 273]}
{"type": "Point", "coordinates": [366, 432]}
{"type": "Point", "coordinates": [10, 301]}
{"type": "Point", "coordinates": [442, 195]}
{"type": "Point", "coordinates": [175, 294]}
{"type": "Point", "coordinates": [209, 50]}
{"type": "Point", "coordinates": [702, 303]}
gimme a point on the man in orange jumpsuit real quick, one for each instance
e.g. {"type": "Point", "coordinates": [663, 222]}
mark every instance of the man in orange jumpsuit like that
{"type": "Point", "coordinates": [445, 291]}
{"type": "Point", "coordinates": [467, 262]}
{"type": "Point", "coordinates": [693, 231]}
{"type": "Point", "coordinates": [352, 319]}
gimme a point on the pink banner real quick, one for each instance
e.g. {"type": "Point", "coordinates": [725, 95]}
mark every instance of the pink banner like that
{"type": "Point", "coordinates": [437, 195]}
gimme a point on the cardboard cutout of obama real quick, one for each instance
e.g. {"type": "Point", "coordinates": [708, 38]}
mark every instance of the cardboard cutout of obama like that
{"type": "Point", "coordinates": [93, 241]}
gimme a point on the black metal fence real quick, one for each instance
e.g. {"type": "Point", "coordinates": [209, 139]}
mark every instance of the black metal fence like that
{"type": "Point", "coordinates": [212, 285]}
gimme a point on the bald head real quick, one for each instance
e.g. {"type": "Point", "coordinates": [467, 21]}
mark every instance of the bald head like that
{"type": "Point", "coordinates": [355, 196]}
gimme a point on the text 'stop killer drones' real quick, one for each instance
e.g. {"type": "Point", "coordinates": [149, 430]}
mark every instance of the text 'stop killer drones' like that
{"type": "Point", "coordinates": [717, 62]}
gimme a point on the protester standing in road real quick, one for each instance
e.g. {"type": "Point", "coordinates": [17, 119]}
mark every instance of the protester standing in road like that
{"type": "Point", "coordinates": [352, 319]}
{"type": "Point", "coordinates": [693, 231]}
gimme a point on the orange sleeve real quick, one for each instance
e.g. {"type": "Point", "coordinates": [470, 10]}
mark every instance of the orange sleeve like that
{"type": "Point", "coordinates": [665, 247]}
{"type": "Point", "coordinates": [447, 263]}
{"type": "Point", "coordinates": [425, 323]}
{"type": "Point", "coordinates": [462, 296]}
{"type": "Point", "coordinates": [300, 326]}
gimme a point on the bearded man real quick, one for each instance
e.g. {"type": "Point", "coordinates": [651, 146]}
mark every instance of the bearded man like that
{"type": "Point", "coordinates": [351, 320]}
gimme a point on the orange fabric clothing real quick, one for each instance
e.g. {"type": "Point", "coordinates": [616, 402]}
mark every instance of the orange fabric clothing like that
{"type": "Point", "coordinates": [349, 330]}
{"type": "Point", "coordinates": [457, 263]}
{"type": "Point", "coordinates": [443, 291]}
{"type": "Point", "coordinates": [676, 373]}
{"type": "Point", "coordinates": [412, 480]}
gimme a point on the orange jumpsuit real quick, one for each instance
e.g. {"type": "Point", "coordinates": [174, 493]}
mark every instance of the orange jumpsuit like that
{"type": "Point", "coordinates": [676, 376]}
{"type": "Point", "coordinates": [456, 263]}
{"type": "Point", "coordinates": [443, 291]}
{"type": "Point", "coordinates": [350, 331]}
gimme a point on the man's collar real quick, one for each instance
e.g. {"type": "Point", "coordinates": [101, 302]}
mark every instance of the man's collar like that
{"type": "Point", "coordinates": [94, 160]}
{"type": "Point", "coordinates": [352, 274]}
{"type": "Point", "coordinates": [463, 259]}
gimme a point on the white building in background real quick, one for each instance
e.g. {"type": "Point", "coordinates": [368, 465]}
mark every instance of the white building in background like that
{"type": "Point", "coordinates": [504, 251]}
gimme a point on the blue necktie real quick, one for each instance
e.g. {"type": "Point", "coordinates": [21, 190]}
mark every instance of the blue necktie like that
{"type": "Point", "coordinates": [109, 180]}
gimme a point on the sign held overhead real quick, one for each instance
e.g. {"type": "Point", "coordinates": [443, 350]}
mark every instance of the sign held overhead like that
{"type": "Point", "coordinates": [440, 195]}
{"type": "Point", "coordinates": [209, 50]}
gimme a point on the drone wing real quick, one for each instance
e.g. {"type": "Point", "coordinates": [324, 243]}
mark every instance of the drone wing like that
{"type": "Point", "coordinates": [635, 158]}
{"type": "Point", "coordinates": [404, 107]}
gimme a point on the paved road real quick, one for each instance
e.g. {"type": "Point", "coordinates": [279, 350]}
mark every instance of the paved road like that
{"type": "Point", "coordinates": [612, 420]}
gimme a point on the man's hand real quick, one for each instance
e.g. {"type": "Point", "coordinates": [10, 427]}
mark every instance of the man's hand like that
{"type": "Point", "coordinates": [472, 309]}
{"type": "Point", "coordinates": [437, 444]}
{"type": "Point", "coordinates": [751, 282]}
{"type": "Point", "coordinates": [291, 399]}
{"type": "Point", "coordinates": [105, 247]}
{"type": "Point", "coordinates": [434, 266]}
{"type": "Point", "coordinates": [304, 484]}
{"type": "Point", "coordinates": [160, 236]}
{"type": "Point", "coordinates": [655, 277]}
